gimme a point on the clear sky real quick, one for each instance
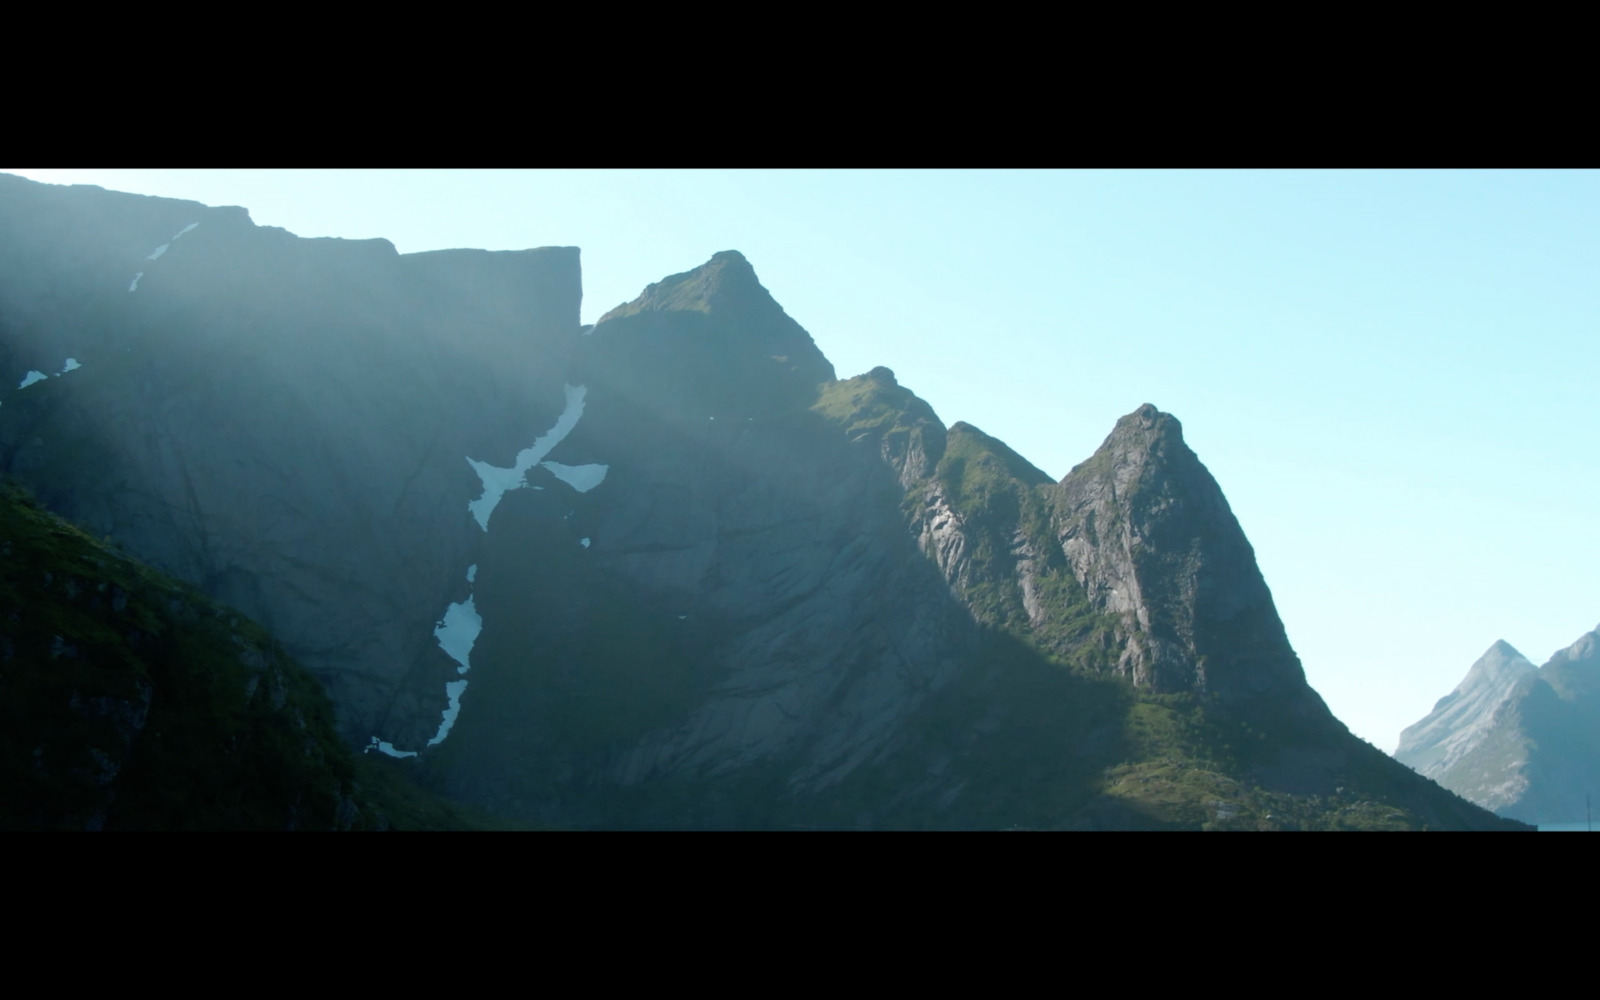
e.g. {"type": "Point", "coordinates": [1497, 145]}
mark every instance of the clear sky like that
{"type": "Point", "coordinates": [1392, 373]}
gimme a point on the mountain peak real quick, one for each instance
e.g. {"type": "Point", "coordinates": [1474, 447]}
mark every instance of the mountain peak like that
{"type": "Point", "coordinates": [726, 282]}
{"type": "Point", "coordinates": [1148, 426]}
{"type": "Point", "coordinates": [1585, 649]}
{"type": "Point", "coordinates": [1503, 648]}
{"type": "Point", "coordinates": [882, 376]}
{"type": "Point", "coordinates": [1143, 444]}
{"type": "Point", "coordinates": [1152, 536]}
{"type": "Point", "coordinates": [707, 341]}
{"type": "Point", "coordinates": [1465, 718]}
{"type": "Point", "coordinates": [1496, 661]}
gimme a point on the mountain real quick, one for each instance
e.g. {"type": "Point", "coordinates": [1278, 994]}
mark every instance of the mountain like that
{"type": "Point", "coordinates": [1520, 740]}
{"type": "Point", "coordinates": [665, 572]}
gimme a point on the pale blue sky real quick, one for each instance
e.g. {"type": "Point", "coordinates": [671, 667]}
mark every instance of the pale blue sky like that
{"type": "Point", "coordinates": [1390, 373]}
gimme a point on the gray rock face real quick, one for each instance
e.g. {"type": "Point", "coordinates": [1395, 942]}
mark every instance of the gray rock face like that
{"type": "Point", "coordinates": [1462, 720]}
{"type": "Point", "coordinates": [1521, 741]}
{"type": "Point", "coordinates": [755, 567]}
{"type": "Point", "coordinates": [1152, 539]}
{"type": "Point", "coordinates": [284, 422]}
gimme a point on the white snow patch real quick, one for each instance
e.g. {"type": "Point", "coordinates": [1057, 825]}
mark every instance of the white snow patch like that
{"type": "Point", "coordinates": [582, 478]}
{"type": "Point", "coordinates": [387, 748]}
{"type": "Point", "coordinates": [472, 572]}
{"type": "Point", "coordinates": [71, 364]}
{"type": "Point", "coordinates": [496, 480]}
{"type": "Point", "coordinates": [458, 631]}
{"type": "Point", "coordinates": [682, 617]}
{"type": "Point", "coordinates": [185, 229]}
{"type": "Point", "coordinates": [453, 690]}
{"type": "Point", "coordinates": [133, 286]}
{"type": "Point", "coordinates": [158, 251]}
{"type": "Point", "coordinates": [584, 542]}
{"type": "Point", "coordinates": [32, 377]}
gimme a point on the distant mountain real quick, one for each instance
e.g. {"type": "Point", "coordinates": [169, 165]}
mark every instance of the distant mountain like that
{"type": "Point", "coordinates": [664, 572]}
{"type": "Point", "coordinates": [1520, 740]}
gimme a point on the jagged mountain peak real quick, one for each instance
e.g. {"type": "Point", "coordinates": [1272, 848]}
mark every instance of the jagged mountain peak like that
{"type": "Point", "coordinates": [1586, 647]}
{"type": "Point", "coordinates": [704, 343]}
{"type": "Point", "coordinates": [725, 282]}
{"type": "Point", "coordinates": [1574, 672]}
{"type": "Point", "coordinates": [1498, 659]}
{"type": "Point", "coordinates": [1150, 533]}
{"type": "Point", "coordinates": [1146, 457]}
{"type": "Point", "coordinates": [1152, 422]}
{"type": "Point", "coordinates": [1013, 463]}
{"type": "Point", "coordinates": [1464, 720]}
{"type": "Point", "coordinates": [1514, 738]}
{"type": "Point", "coordinates": [1145, 432]}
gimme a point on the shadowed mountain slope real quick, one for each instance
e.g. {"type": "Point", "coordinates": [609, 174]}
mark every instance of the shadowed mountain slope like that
{"type": "Point", "coordinates": [129, 701]}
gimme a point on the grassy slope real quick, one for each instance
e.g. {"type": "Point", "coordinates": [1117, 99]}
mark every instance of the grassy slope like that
{"type": "Point", "coordinates": [131, 701]}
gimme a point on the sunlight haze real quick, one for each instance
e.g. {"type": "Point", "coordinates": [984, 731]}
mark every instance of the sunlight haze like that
{"type": "Point", "coordinates": [1389, 373]}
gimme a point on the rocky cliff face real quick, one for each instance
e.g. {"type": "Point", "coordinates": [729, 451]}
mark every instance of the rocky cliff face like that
{"type": "Point", "coordinates": [1520, 740]}
{"type": "Point", "coordinates": [670, 571]}
{"type": "Point", "coordinates": [1150, 535]}
{"type": "Point", "coordinates": [737, 596]}
{"type": "Point", "coordinates": [285, 422]}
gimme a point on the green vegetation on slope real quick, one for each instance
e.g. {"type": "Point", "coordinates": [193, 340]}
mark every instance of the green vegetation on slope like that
{"type": "Point", "coordinates": [131, 701]}
{"type": "Point", "coordinates": [1093, 750]}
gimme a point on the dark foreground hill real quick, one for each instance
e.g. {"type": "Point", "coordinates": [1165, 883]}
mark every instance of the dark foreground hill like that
{"type": "Point", "coordinates": [667, 572]}
{"type": "Point", "coordinates": [129, 701]}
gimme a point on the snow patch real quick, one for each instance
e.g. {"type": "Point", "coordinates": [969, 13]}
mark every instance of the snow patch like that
{"type": "Point", "coordinates": [185, 229]}
{"type": "Point", "coordinates": [582, 478]}
{"type": "Point", "coordinates": [133, 286]}
{"type": "Point", "coordinates": [584, 542]}
{"type": "Point", "coordinates": [32, 377]}
{"type": "Point", "coordinates": [158, 251]}
{"type": "Point", "coordinates": [453, 689]}
{"type": "Point", "coordinates": [472, 572]}
{"type": "Point", "coordinates": [497, 480]}
{"type": "Point", "coordinates": [70, 365]}
{"type": "Point", "coordinates": [458, 630]}
{"type": "Point", "coordinates": [387, 748]}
